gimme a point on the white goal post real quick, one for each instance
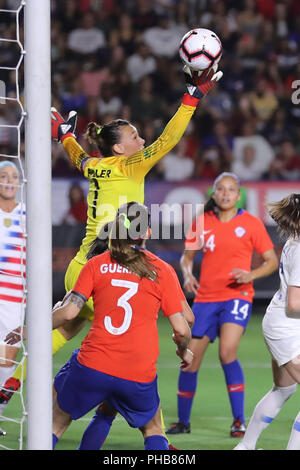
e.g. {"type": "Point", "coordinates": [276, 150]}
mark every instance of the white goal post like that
{"type": "Point", "coordinates": [39, 225]}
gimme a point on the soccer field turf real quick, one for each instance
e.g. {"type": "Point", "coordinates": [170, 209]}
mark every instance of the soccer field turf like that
{"type": "Point", "coordinates": [211, 415]}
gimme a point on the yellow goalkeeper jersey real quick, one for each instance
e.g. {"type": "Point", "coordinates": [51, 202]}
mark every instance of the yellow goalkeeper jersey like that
{"type": "Point", "coordinates": [117, 180]}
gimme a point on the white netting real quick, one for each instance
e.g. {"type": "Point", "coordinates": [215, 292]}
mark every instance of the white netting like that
{"type": "Point", "coordinates": [12, 117]}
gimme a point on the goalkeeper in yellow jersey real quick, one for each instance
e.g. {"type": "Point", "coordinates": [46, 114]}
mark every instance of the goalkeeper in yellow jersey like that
{"type": "Point", "coordinates": [115, 178]}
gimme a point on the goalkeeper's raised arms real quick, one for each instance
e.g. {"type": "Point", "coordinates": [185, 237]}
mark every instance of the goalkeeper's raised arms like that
{"type": "Point", "coordinates": [199, 86]}
{"type": "Point", "coordinates": [60, 129]}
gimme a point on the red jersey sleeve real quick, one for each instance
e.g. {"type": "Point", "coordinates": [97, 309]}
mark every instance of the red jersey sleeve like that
{"type": "Point", "coordinates": [85, 282]}
{"type": "Point", "coordinates": [194, 239]}
{"type": "Point", "coordinates": [260, 237]}
{"type": "Point", "coordinates": [172, 295]}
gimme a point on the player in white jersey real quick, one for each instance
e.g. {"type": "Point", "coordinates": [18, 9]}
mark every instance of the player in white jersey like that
{"type": "Point", "coordinates": [12, 267]}
{"type": "Point", "coordinates": [281, 328]}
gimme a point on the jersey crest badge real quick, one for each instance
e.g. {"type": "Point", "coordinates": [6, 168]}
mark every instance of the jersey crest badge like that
{"type": "Point", "coordinates": [240, 232]}
{"type": "Point", "coordinates": [7, 222]}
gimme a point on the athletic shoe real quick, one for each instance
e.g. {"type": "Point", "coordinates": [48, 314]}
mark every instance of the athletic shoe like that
{"type": "Point", "coordinates": [179, 428]}
{"type": "Point", "coordinates": [172, 447]}
{"type": "Point", "coordinates": [2, 432]}
{"type": "Point", "coordinates": [10, 386]}
{"type": "Point", "coordinates": [237, 429]}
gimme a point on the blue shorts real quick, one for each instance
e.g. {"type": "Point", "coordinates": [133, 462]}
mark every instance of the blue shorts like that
{"type": "Point", "coordinates": [210, 316]}
{"type": "Point", "coordinates": [80, 389]}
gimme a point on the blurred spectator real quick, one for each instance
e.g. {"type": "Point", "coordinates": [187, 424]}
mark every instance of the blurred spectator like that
{"type": "Point", "coordinates": [92, 78]}
{"type": "Point", "coordinates": [175, 166]}
{"type": "Point", "coordinates": [141, 63]}
{"type": "Point", "coordinates": [208, 163]}
{"type": "Point", "coordinates": [163, 39]}
{"type": "Point", "coordinates": [286, 164]}
{"type": "Point", "coordinates": [144, 103]}
{"type": "Point", "coordinates": [108, 102]}
{"type": "Point", "coordinates": [77, 213]}
{"type": "Point", "coordinates": [75, 98]}
{"type": "Point", "coordinates": [248, 167]}
{"type": "Point", "coordinates": [87, 38]}
{"type": "Point", "coordinates": [221, 139]}
{"type": "Point", "coordinates": [277, 128]}
{"type": "Point", "coordinates": [263, 101]}
{"type": "Point", "coordinates": [250, 19]}
{"type": "Point", "coordinates": [124, 34]}
{"type": "Point", "coordinates": [252, 154]}
{"type": "Point", "coordinates": [143, 15]}
{"type": "Point", "coordinates": [219, 103]}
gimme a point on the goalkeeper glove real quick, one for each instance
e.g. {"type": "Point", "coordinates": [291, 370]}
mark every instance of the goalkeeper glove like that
{"type": "Point", "coordinates": [60, 129]}
{"type": "Point", "coordinates": [199, 86]}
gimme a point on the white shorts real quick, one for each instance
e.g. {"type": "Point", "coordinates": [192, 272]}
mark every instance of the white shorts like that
{"type": "Point", "coordinates": [11, 317]}
{"type": "Point", "coordinates": [283, 350]}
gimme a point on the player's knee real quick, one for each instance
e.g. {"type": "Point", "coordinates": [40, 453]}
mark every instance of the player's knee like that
{"type": "Point", "coordinates": [227, 354]}
{"type": "Point", "coordinates": [285, 392]}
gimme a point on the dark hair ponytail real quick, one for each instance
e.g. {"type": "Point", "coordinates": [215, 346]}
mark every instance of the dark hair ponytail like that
{"type": "Point", "coordinates": [127, 235]}
{"type": "Point", "coordinates": [210, 205]}
{"type": "Point", "coordinates": [106, 136]}
{"type": "Point", "coordinates": [286, 213]}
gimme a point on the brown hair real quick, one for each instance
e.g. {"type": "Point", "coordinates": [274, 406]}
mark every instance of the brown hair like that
{"type": "Point", "coordinates": [126, 237]}
{"type": "Point", "coordinates": [106, 136]}
{"type": "Point", "coordinates": [286, 213]}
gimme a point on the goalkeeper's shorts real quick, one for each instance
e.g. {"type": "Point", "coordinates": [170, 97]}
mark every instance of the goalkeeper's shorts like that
{"type": "Point", "coordinates": [71, 277]}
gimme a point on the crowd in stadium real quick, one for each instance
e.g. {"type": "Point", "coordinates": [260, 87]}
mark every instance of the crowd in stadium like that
{"type": "Point", "coordinates": [120, 59]}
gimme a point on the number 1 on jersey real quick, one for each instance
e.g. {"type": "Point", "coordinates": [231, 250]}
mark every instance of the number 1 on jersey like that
{"type": "Point", "coordinates": [237, 310]}
{"type": "Point", "coordinates": [123, 303]}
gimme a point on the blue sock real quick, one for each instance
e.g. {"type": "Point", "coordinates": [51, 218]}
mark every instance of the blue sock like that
{"type": "Point", "coordinates": [95, 434]}
{"type": "Point", "coordinates": [156, 443]}
{"type": "Point", "coordinates": [54, 441]}
{"type": "Point", "coordinates": [187, 384]}
{"type": "Point", "coordinates": [234, 377]}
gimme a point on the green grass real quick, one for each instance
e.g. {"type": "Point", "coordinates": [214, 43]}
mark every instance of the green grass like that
{"type": "Point", "coordinates": [211, 416]}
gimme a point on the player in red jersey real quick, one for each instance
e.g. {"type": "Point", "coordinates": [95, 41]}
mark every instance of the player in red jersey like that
{"type": "Point", "coordinates": [116, 361]}
{"type": "Point", "coordinates": [224, 293]}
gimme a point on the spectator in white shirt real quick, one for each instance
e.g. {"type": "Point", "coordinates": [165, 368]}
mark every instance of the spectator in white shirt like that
{"type": "Point", "coordinates": [164, 39]}
{"type": "Point", "coordinates": [141, 63]}
{"type": "Point", "coordinates": [252, 154]}
{"type": "Point", "coordinates": [87, 39]}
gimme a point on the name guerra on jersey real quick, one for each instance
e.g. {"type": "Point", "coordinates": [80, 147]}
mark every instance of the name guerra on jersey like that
{"type": "Point", "coordinates": [113, 268]}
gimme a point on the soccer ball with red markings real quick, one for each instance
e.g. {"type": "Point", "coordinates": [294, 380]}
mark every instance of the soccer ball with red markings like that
{"type": "Point", "coordinates": [200, 49]}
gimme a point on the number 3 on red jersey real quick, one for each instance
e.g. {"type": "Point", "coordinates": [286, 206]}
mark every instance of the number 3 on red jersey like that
{"type": "Point", "coordinates": [132, 288]}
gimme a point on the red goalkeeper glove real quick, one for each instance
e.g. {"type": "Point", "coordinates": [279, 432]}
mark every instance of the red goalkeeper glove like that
{"type": "Point", "coordinates": [199, 86]}
{"type": "Point", "coordinates": [60, 129]}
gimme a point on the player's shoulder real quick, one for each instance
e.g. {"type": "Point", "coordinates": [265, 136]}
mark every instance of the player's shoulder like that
{"type": "Point", "coordinates": [163, 266]}
{"type": "Point", "coordinates": [292, 247]}
{"type": "Point", "coordinates": [249, 218]}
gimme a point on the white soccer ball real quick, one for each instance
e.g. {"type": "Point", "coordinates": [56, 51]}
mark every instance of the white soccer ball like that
{"type": "Point", "coordinates": [200, 49]}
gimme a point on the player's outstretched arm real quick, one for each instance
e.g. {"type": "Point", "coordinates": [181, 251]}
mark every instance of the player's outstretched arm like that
{"type": "Point", "coordinates": [63, 131]}
{"type": "Point", "coordinates": [137, 165]}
